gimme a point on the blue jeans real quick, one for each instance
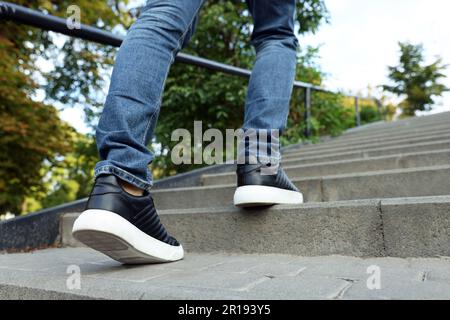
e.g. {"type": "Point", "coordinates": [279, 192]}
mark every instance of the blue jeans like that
{"type": "Point", "coordinates": [142, 64]}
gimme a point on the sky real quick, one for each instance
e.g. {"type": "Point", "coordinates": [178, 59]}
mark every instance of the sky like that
{"type": "Point", "coordinates": [362, 40]}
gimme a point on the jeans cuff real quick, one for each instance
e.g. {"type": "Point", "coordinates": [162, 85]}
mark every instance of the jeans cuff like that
{"type": "Point", "coordinates": [258, 159]}
{"type": "Point", "coordinates": [123, 175]}
{"type": "Point", "coordinates": [269, 160]}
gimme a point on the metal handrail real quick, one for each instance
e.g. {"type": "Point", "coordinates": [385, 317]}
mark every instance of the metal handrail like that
{"type": "Point", "coordinates": [48, 22]}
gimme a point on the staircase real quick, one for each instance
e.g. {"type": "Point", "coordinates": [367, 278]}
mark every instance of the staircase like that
{"type": "Point", "coordinates": [378, 191]}
{"type": "Point", "coordinates": [378, 194]}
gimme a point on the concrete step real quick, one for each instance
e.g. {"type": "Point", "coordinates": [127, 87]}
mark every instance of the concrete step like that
{"type": "Point", "coordinates": [427, 181]}
{"type": "Point", "coordinates": [360, 139]}
{"type": "Point", "coordinates": [365, 146]}
{"type": "Point", "coordinates": [369, 141]}
{"type": "Point", "coordinates": [408, 227]}
{"type": "Point", "coordinates": [418, 122]}
{"type": "Point", "coordinates": [368, 153]}
{"type": "Point", "coordinates": [396, 125]}
{"type": "Point", "coordinates": [44, 275]}
{"type": "Point", "coordinates": [402, 161]}
{"type": "Point", "coordinates": [381, 132]}
{"type": "Point", "coordinates": [391, 132]}
{"type": "Point", "coordinates": [194, 178]}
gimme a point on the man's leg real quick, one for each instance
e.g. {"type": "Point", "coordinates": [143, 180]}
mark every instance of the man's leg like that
{"type": "Point", "coordinates": [134, 99]}
{"type": "Point", "coordinates": [124, 226]}
{"type": "Point", "coordinates": [267, 104]}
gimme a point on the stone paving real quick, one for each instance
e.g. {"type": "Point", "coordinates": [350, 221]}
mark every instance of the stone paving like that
{"type": "Point", "coordinates": [81, 273]}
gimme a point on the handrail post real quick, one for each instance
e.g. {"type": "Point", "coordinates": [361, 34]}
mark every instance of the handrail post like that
{"type": "Point", "coordinates": [307, 112]}
{"type": "Point", "coordinates": [357, 112]}
{"type": "Point", "coordinates": [380, 109]}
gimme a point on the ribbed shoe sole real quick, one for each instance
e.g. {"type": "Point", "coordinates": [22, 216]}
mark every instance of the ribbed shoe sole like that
{"type": "Point", "coordinates": [114, 236]}
{"type": "Point", "coordinates": [252, 196]}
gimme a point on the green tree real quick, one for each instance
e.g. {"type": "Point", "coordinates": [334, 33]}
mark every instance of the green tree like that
{"type": "Point", "coordinates": [72, 178]}
{"type": "Point", "coordinates": [33, 139]}
{"type": "Point", "coordinates": [418, 82]}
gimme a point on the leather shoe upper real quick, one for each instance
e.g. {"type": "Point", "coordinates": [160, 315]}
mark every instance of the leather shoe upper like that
{"type": "Point", "coordinates": [107, 194]}
{"type": "Point", "coordinates": [254, 175]}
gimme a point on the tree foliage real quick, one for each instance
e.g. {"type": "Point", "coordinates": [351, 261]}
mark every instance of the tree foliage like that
{"type": "Point", "coordinates": [33, 139]}
{"type": "Point", "coordinates": [419, 83]}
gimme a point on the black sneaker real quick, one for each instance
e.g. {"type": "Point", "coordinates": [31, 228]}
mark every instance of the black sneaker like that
{"type": "Point", "coordinates": [124, 227]}
{"type": "Point", "coordinates": [259, 188]}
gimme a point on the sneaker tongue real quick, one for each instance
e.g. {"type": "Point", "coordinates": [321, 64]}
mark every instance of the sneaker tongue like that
{"type": "Point", "coordinates": [105, 184]}
{"type": "Point", "coordinates": [247, 168]}
{"type": "Point", "coordinates": [107, 178]}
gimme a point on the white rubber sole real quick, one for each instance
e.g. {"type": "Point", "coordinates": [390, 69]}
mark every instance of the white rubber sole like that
{"type": "Point", "coordinates": [253, 196]}
{"type": "Point", "coordinates": [119, 239]}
